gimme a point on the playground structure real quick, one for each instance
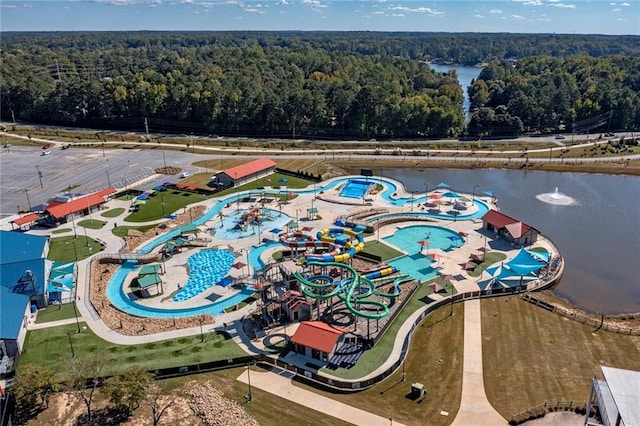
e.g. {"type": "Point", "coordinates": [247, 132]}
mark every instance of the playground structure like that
{"type": "Point", "coordinates": [341, 245]}
{"type": "Point", "coordinates": [254, 217]}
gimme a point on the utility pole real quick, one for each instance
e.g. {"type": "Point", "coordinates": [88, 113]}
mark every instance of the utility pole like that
{"type": "Point", "coordinates": [146, 125]}
{"type": "Point", "coordinates": [108, 180]}
{"type": "Point", "coordinates": [26, 191]}
{"type": "Point", "coordinates": [39, 176]}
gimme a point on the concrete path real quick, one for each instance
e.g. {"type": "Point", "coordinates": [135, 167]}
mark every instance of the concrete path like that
{"type": "Point", "coordinates": [475, 409]}
{"type": "Point", "coordinates": [49, 324]}
{"type": "Point", "coordinates": [279, 383]}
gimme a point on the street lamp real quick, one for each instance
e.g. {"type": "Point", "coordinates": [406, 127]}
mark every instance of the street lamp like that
{"type": "Point", "coordinates": [164, 159]}
{"type": "Point", "coordinates": [75, 286]}
{"type": "Point", "coordinates": [108, 180]}
{"type": "Point", "coordinates": [201, 332]}
{"type": "Point", "coordinates": [26, 191]}
{"type": "Point", "coordinates": [40, 176]}
{"type": "Point", "coordinates": [473, 195]}
{"type": "Point", "coordinates": [249, 397]}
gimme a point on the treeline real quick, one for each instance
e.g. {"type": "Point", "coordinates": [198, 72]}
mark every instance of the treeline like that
{"type": "Point", "coordinates": [287, 84]}
{"type": "Point", "coordinates": [542, 93]}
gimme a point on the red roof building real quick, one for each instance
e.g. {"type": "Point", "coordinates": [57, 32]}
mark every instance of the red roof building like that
{"type": "Point", "coordinates": [26, 220]}
{"type": "Point", "coordinates": [59, 211]}
{"type": "Point", "coordinates": [296, 306]}
{"type": "Point", "coordinates": [511, 229]}
{"type": "Point", "coordinates": [317, 340]}
{"type": "Point", "coordinates": [245, 172]}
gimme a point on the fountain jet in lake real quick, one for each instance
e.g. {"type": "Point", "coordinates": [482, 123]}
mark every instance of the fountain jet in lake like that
{"type": "Point", "coordinates": [557, 198]}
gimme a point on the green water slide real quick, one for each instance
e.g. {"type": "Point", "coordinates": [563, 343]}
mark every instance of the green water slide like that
{"type": "Point", "coordinates": [347, 290]}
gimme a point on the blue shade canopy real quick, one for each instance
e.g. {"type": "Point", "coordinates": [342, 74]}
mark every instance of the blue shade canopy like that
{"type": "Point", "coordinates": [275, 230]}
{"type": "Point", "coordinates": [442, 185]}
{"type": "Point", "coordinates": [451, 194]}
{"type": "Point", "coordinates": [540, 255]}
{"type": "Point", "coordinates": [283, 180]}
{"type": "Point", "coordinates": [489, 193]}
{"type": "Point", "coordinates": [524, 263]}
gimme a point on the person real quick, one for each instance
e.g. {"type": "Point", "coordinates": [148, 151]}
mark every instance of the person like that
{"type": "Point", "coordinates": [179, 286]}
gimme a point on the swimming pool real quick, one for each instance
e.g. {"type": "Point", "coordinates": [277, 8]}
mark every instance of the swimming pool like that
{"type": "Point", "coordinates": [120, 300]}
{"type": "Point", "coordinates": [232, 225]}
{"type": "Point", "coordinates": [206, 269]}
{"type": "Point", "coordinates": [416, 263]}
{"type": "Point", "coordinates": [355, 188]}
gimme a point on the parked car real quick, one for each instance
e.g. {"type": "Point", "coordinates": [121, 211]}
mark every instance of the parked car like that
{"type": "Point", "coordinates": [46, 152]}
{"type": "Point", "coordinates": [559, 136]}
{"type": "Point", "coordinates": [8, 145]}
{"type": "Point", "coordinates": [184, 175]}
{"type": "Point", "coordinates": [610, 135]}
{"type": "Point", "coordinates": [65, 146]}
{"type": "Point", "coordinates": [47, 146]}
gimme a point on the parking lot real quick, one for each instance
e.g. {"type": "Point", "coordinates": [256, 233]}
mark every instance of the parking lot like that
{"type": "Point", "coordinates": [87, 169]}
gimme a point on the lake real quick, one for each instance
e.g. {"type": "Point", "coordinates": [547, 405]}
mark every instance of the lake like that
{"type": "Point", "coordinates": [465, 76]}
{"type": "Point", "coordinates": [599, 236]}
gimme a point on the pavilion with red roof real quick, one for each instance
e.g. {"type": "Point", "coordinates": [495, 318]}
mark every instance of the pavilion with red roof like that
{"type": "Point", "coordinates": [317, 340]}
{"type": "Point", "coordinates": [61, 210]}
{"type": "Point", "coordinates": [509, 228]}
{"type": "Point", "coordinates": [244, 173]}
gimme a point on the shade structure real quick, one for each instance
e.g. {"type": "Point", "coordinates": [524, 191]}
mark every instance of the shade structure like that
{"type": "Point", "coordinates": [442, 185]}
{"type": "Point", "coordinates": [424, 243]}
{"type": "Point", "coordinates": [306, 229]}
{"type": "Point", "coordinates": [291, 194]}
{"type": "Point", "coordinates": [501, 272]}
{"type": "Point", "coordinates": [542, 256]}
{"type": "Point", "coordinates": [447, 277]}
{"type": "Point", "coordinates": [524, 263]}
{"type": "Point", "coordinates": [275, 230]}
{"type": "Point", "coordinates": [436, 287]}
{"type": "Point", "coordinates": [435, 256]}
{"type": "Point", "coordinates": [283, 180]}
{"type": "Point", "coordinates": [460, 206]}
{"type": "Point", "coordinates": [475, 257]}
{"type": "Point", "coordinates": [435, 196]}
{"type": "Point", "coordinates": [463, 234]}
{"type": "Point", "coordinates": [468, 265]}
{"type": "Point", "coordinates": [482, 249]}
{"type": "Point", "coordinates": [489, 193]}
{"type": "Point", "coordinates": [239, 265]}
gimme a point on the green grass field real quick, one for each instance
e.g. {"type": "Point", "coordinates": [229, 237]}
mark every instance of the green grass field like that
{"type": "Point", "coordinates": [113, 212]}
{"type": "Point", "coordinates": [490, 258]}
{"type": "Point", "coordinates": [540, 356]}
{"type": "Point", "coordinates": [70, 249]}
{"type": "Point", "coordinates": [50, 347]}
{"type": "Point", "coordinates": [272, 180]}
{"type": "Point", "coordinates": [173, 200]}
{"type": "Point", "coordinates": [55, 313]}
{"type": "Point", "coordinates": [123, 231]}
{"type": "Point", "coordinates": [92, 223]}
{"type": "Point", "coordinates": [379, 248]}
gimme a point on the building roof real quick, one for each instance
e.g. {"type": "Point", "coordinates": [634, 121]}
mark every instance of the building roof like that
{"type": "Point", "coordinates": [317, 335]}
{"type": "Point", "coordinates": [150, 269]}
{"type": "Point", "coordinates": [501, 220]}
{"type": "Point", "coordinates": [106, 192]}
{"type": "Point", "coordinates": [30, 218]}
{"type": "Point", "coordinates": [19, 253]}
{"type": "Point", "coordinates": [18, 247]}
{"type": "Point", "coordinates": [149, 280]}
{"type": "Point", "coordinates": [60, 210]}
{"type": "Point", "coordinates": [625, 389]}
{"type": "Point", "coordinates": [250, 168]}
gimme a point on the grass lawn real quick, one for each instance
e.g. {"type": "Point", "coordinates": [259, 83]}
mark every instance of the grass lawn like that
{"type": "Point", "coordinates": [379, 248]}
{"type": "Point", "coordinates": [55, 313]}
{"type": "Point", "coordinates": [490, 258]}
{"type": "Point", "coordinates": [113, 212]}
{"type": "Point", "coordinates": [123, 231]}
{"type": "Point", "coordinates": [540, 356]}
{"type": "Point", "coordinates": [435, 360]}
{"type": "Point", "coordinates": [69, 249]}
{"type": "Point", "coordinates": [50, 347]}
{"type": "Point", "coordinates": [92, 223]}
{"type": "Point", "coordinates": [174, 200]}
{"type": "Point", "coordinates": [61, 231]}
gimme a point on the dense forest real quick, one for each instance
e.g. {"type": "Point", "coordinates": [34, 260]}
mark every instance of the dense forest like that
{"type": "Point", "coordinates": [577, 93]}
{"type": "Point", "coordinates": [351, 85]}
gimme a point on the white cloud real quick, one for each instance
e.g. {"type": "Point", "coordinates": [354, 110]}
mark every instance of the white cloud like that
{"type": "Point", "coordinates": [314, 4]}
{"type": "Point", "coordinates": [617, 9]}
{"type": "Point", "coordinates": [563, 5]}
{"type": "Point", "coordinates": [544, 19]}
{"type": "Point", "coordinates": [518, 17]}
{"type": "Point", "coordinates": [530, 2]}
{"type": "Point", "coordinates": [426, 10]}
{"type": "Point", "coordinates": [553, 1]}
{"type": "Point", "coordinates": [282, 3]}
{"type": "Point", "coordinates": [478, 16]}
{"type": "Point", "coordinates": [379, 12]}
{"type": "Point", "coordinates": [625, 4]}
{"type": "Point", "coordinates": [397, 14]}
{"type": "Point", "coordinates": [496, 11]}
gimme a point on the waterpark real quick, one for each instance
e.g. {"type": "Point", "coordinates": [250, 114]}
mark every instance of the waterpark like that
{"type": "Point", "coordinates": [346, 255]}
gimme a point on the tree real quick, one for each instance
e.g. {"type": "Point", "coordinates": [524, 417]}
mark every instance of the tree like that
{"type": "Point", "coordinates": [33, 386]}
{"type": "Point", "coordinates": [85, 375]}
{"type": "Point", "coordinates": [127, 389]}
{"type": "Point", "coordinates": [157, 400]}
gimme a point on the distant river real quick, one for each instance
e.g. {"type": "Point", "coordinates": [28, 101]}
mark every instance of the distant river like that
{"type": "Point", "coordinates": [599, 237]}
{"type": "Point", "coordinates": [465, 76]}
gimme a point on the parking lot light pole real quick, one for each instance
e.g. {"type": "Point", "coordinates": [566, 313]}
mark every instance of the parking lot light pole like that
{"type": "Point", "coordinates": [73, 353]}
{"type": "Point", "coordinates": [26, 191]}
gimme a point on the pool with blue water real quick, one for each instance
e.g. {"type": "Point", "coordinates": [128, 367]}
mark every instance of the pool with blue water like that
{"type": "Point", "coordinates": [206, 269]}
{"type": "Point", "coordinates": [416, 263]}
{"type": "Point", "coordinates": [240, 223]}
{"type": "Point", "coordinates": [355, 188]}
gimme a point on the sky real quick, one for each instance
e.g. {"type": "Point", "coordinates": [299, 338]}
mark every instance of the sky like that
{"type": "Point", "coordinates": [512, 16]}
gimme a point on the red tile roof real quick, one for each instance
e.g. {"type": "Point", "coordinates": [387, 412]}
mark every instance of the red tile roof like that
{"type": "Point", "coordinates": [317, 335]}
{"type": "Point", "coordinates": [248, 169]}
{"type": "Point", "coordinates": [501, 220]}
{"type": "Point", "coordinates": [60, 210]}
{"type": "Point", "coordinates": [106, 192]}
{"type": "Point", "coordinates": [31, 217]}
{"type": "Point", "coordinates": [517, 229]}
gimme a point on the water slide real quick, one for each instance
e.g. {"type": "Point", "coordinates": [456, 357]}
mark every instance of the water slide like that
{"type": "Point", "coordinates": [349, 289]}
{"type": "Point", "coordinates": [334, 236]}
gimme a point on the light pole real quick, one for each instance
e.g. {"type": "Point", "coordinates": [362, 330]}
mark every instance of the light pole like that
{"type": "Point", "coordinates": [73, 353]}
{"type": "Point", "coordinates": [249, 396]}
{"type": "Point", "coordinates": [26, 191]}
{"type": "Point", "coordinates": [40, 176]}
{"type": "Point", "coordinates": [411, 200]}
{"type": "Point", "coordinates": [162, 203]}
{"type": "Point", "coordinates": [164, 159]}
{"type": "Point", "coordinates": [201, 332]}
{"type": "Point", "coordinates": [75, 287]}
{"type": "Point", "coordinates": [108, 180]}
{"type": "Point", "coordinates": [473, 195]}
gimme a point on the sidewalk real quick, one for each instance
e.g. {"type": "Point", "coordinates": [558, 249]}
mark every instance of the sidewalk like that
{"type": "Point", "coordinates": [475, 409]}
{"type": "Point", "coordinates": [49, 324]}
{"type": "Point", "coordinates": [279, 383]}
